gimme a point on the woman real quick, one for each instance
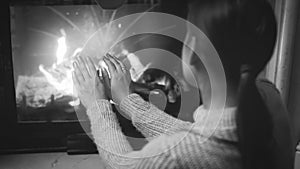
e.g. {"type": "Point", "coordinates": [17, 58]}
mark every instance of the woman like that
{"type": "Point", "coordinates": [243, 33]}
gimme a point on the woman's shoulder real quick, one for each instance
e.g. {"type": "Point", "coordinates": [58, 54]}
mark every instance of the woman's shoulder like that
{"type": "Point", "coordinates": [213, 151]}
{"type": "Point", "coordinates": [272, 97]}
{"type": "Point", "coordinates": [187, 147]}
{"type": "Point", "coordinates": [282, 129]}
{"type": "Point", "coordinates": [266, 85]}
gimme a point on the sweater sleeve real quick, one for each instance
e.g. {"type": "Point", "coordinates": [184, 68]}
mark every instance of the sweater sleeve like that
{"type": "Point", "coordinates": [150, 120]}
{"type": "Point", "coordinates": [112, 144]}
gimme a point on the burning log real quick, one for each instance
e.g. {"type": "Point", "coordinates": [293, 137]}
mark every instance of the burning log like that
{"type": "Point", "coordinates": [35, 91]}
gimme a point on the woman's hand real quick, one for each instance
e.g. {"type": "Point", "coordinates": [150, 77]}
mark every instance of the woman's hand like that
{"type": "Point", "coordinates": [87, 83]}
{"type": "Point", "coordinates": [120, 78]}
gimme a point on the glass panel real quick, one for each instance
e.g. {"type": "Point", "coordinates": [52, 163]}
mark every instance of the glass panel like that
{"type": "Point", "coordinates": [45, 40]}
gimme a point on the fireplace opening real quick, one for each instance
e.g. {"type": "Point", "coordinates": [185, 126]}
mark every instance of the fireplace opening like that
{"type": "Point", "coordinates": [45, 39]}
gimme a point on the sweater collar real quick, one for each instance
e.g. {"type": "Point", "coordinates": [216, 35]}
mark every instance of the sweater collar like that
{"type": "Point", "coordinates": [219, 123]}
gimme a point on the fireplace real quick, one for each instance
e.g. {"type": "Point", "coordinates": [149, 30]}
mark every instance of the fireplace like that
{"type": "Point", "coordinates": [40, 41]}
{"type": "Point", "coordinates": [45, 41]}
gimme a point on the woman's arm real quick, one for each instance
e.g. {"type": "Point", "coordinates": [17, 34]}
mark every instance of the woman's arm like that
{"type": "Point", "coordinates": [150, 124]}
{"type": "Point", "coordinates": [110, 141]}
{"type": "Point", "coordinates": [150, 120]}
{"type": "Point", "coordinates": [112, 144]}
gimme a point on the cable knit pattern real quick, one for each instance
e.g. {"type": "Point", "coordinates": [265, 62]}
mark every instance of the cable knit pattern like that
{"type": "Point", "coordinates": [174, 144]}
{"type": "Point", "coordinates": [150, 120]}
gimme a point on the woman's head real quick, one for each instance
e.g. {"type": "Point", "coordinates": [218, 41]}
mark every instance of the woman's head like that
{"type": "Point", "coordinates": [243, 33]}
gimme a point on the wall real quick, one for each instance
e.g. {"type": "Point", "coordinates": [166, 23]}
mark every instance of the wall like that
{"type": "Point", "coordinates": [294, 93]}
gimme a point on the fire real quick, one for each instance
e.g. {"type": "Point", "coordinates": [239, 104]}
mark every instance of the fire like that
{"type": "Point", "coordinates": [62, 48]}
{"type": "Point", "coordinates": [59, 75]}
{"type": "Point", "coordinates": [50, 78]}
{"type": "Point", "coordinates": [66, 85]}
{"type": "Point", "coordinates": [63, 82]}
{"type": "Point", "coordinates": [137, 68]}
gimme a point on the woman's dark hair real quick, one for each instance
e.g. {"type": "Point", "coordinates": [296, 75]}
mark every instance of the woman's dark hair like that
{"type": "Point", "coordinates": [244, 34]}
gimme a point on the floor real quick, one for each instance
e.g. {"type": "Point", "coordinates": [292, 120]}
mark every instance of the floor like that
{"type": "Point", "coordinates": [50, 161]}
{"type": "Point", "coordinates": [62, 161]}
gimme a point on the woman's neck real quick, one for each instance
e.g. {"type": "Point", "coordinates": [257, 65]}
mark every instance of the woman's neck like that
{"type": "Point", "coordinates": [231, 95]}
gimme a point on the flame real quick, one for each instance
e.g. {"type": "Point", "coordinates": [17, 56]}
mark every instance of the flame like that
{"type": "Point", "coordinates": [65, 86]}
{"type": "Point", "coordinates": [75, 102]}
{"type": "Point", "coordinates": [137, 68]}
{"type": "Point", "coordinates": [163, 81]}
{"type": "Point", "coordinates": [61, 49]}
{"type": "Point", "coordinates": [59, 75]}
{"type": "Point", "coordinates": [49, 77]}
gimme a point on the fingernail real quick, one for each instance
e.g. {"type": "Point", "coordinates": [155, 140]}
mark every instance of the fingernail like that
{"type": "Point", "coordinates": [109, 55]}
{"type": "Point", "coordinates": [103, 70]}
{"type": "Point", "coordinates": [106, 60]}
{"type": "Point", "coordinates": [99, 72]}
{"type": "Point", "coordinates": [73, 74]}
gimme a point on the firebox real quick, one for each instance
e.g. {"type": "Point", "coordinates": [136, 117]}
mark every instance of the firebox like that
{"type": "Point", "coordinates": [40, 40]}
{"type": "Point", "coordinates": [45, 40]}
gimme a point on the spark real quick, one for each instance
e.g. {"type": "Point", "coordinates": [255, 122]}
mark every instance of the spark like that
{"type": "Point", "coordinates": [65, 18]}
{"type": "Point", "coordinates": [131, 24]}
{"type": "Point", "coordinates": [110, 22]}
{"type": "Point", "coordinates": [43, 32]}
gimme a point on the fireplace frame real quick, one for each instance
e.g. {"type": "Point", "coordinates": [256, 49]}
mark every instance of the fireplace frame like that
{"type": "Point", "coordinates": [26, 137]}
{"type": "Point", "coordinates": [38, 137]}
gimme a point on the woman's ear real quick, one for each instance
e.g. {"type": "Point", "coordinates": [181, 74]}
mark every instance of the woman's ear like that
{"type": "Point", "coordinates": [186, 55]}
{"type": "Point", "coordinates": [188, 47]}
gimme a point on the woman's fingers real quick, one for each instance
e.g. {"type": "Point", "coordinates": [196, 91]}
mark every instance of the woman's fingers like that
{"type": "Point", "coordinates": [91, 67]}
{"type": "Point", "coordinates": [98, 81]}
{"type": "Point", "coordinates": [120, 62]}
{"type": "Point", "coordinates": [106, 82]}
{"type": "Point", "coordinates": [105, 74]}
{"type": "Point", "coordinates": [78, 73]}
{"type": "Point", "coordinates": [75, 80]}
{"type": "Point", "coordinates": [122, 66]}
{"type": "Point", "coordinates": [115, 61]}
{"type": "Point", "coordinates": [110, 65]}
{"type": "Point", "coordinates": [115, 58]}
{"type": "Point", "coordinates": [82, 67]}
{"type": "Point", "coordinates": [106, 79]}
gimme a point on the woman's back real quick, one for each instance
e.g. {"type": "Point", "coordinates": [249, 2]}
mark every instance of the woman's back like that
{"type": "Point", "coordinates": [282, 130]}
{"type": "Point", "coordinates": [243, 33]}
{"type": "Point", "coordinates": [188, 145]}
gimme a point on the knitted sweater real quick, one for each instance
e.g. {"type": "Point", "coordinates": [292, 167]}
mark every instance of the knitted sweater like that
{"type": "Point", "coordinates": [172, 143]}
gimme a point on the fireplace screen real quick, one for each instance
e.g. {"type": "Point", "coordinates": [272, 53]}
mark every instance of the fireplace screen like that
{"type": "Point", "coordinates": [45, 40]}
